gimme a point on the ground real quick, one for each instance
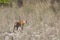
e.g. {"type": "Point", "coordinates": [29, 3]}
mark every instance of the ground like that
{"type": "Point", "coordinates": [43, 21]}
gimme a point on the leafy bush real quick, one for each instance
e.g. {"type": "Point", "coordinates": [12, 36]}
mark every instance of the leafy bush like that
{"type": "Point", "coordinates": [4, 1]}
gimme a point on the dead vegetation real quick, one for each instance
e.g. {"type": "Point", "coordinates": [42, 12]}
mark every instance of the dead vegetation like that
{"type": "Point", "coordinates": [43, 20]}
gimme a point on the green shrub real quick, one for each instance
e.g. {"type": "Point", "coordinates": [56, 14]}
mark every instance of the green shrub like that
{"type": "Point", "coordinates": [1, 1]}
{"type": "Point", "coordinates": [4, 1]}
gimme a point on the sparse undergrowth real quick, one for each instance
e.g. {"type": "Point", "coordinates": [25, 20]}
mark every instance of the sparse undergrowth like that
{"type": "Point", "coordinates": [43, 20]}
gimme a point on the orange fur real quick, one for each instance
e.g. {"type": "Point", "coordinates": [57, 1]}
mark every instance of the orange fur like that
{"type": "Point", "coordinates": [19, 24]}
{"type": "Point", "coordinates": [22, 22]}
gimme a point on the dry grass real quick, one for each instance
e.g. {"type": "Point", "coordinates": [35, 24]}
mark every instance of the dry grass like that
{"type": "Point", "coordinates": [43, 21]}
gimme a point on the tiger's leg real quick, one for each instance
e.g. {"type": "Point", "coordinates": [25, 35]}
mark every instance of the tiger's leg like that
{"type": "Point", "coordinates": [21, 29]}
{"type": "Point", "coordinates": [15, 28]}
{"type": "Point", "coordinates": [22, 26]}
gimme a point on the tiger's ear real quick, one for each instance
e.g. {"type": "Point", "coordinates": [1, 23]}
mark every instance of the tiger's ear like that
{"type": "Point", "coordinates": [26, 21]}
